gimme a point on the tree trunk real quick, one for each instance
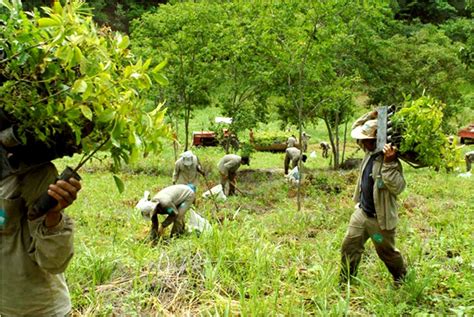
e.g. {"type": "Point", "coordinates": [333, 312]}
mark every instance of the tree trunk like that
{"type": "Point", "coordinates": [331, 137]}
{"type": "Point", "coordinates": [187, 112]}
{"type": "Point", "coordinates": [336, 156]}
{"type": "Point", "coordinates": [345, 140]}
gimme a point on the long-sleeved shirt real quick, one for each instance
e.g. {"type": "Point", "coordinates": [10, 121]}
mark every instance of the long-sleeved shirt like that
{"type": "Point", "coordinates": [293, 154]}
{"type": "Point", "coordinates": [388, 184]}
{"type": "Point", "coordinates": [291, 141]}
{"type": "Point", "coordinates": [32, 256]}
{"type": "Point", "coordinates": [172, 198]}
{"type": "Point", "coordinates": [230, 163]}
{"type": "Point", "coordinates": [186, 174]}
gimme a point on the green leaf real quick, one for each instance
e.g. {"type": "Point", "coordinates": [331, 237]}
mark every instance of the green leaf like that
{"type": "Point", "coordinates": [57, 8]}
{"type": "Point", "coordinates": [161, 79]}
{"type": "Point", "coordinates": [106, 116]}
{"type": "Point", "coordinates": [123, 42]}
{"type": "Point", "coordinates": [160, 66]}
{"type": "Point", "coordinates": [47, 22]}
{"type": "Point", "coordinates": [119, 184]}
{"type": "Point", "coordinates": [79, 86]}
{"type": "Point", "coordinates": [87, 112]}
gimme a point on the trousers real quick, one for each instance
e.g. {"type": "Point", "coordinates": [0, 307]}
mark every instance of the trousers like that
{"type": "Point", "coordinates": [361, 228]}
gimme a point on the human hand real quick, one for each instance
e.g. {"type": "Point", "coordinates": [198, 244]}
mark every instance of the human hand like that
{"type": "Point", "coordinates": [389, 153]}
{"type": "Point", "coordinates": [65, 192]}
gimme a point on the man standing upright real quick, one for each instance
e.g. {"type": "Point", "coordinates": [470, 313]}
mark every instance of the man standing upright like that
{"type": "Point", "coordinates": [379, 183]}
{"type": "Point", "coordinates": [305, 141]}
{"type": "Point", "coordinates": [469, 158]}
{"type": "Point", "coordinates": [186, 169]}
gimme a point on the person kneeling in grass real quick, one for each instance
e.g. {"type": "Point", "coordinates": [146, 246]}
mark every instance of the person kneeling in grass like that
{"type": "Point", "coordinates": [173, 201]}
{"type": "Point", "coordinates": [379, 183]}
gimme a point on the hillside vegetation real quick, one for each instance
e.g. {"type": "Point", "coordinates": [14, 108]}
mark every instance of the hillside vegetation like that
{"type": "Point", "coordinates": [263, 257]}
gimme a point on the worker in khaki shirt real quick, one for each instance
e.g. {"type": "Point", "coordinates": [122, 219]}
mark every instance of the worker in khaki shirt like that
{"type": "Point", "coordinates": [187, 169]}
{"type": "Point", "coordinates": [35, 248]}
{"type": "Point", "coordinates": [325, 147]}
{"type": "Point", "coordinates": [291, 142]}
{"type": "Point", "coordinates": [228, 167]}
{"type": "Point", "coordinates": [173, 201]}
{"type": "Point", "coordinates": [379, 183]}
{"type": "Point", "coordinates": [293, 155]}
{"type": "Point", "coordinates": [305, 141]}
{"type": "Point", "coordinates": [469, 158]}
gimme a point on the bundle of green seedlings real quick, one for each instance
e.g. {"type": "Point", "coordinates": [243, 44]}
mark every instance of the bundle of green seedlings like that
{"type": "Point", "coordinates": [62, 79]}
{"type": "Point", "coordinates": [423, 142]}
{"type": "Point", "coordinates": [267, 138]}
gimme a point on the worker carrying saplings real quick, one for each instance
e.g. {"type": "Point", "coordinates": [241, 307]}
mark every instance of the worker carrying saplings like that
{"type": "Point", "coordinates": [228, 167]}
{"type": "Point", "coordinates": [187, 169]}
{"type": "Point", "coordinates": [379, 183]}
{"type": "Point", "coordinates": [173, 201]}
{"type": "Point", "coordinates": [293, 155]}
{"type": "Point", "coordinates": [36, 243]}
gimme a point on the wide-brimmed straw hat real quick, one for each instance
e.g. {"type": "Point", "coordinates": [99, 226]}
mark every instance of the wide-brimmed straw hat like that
{"type": "Point", "coordinates": [366, 131]}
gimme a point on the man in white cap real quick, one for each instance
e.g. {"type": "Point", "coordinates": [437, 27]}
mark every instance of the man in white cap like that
{"type": "Point", "coordinates": [173, 201]}
{"type": "Point", "coordinates": [186, 169]}
{"type": "Point", "coordinates": [293, 155]}
{"type": "Point", "coordinates": [379, 183]}
{"type": "Point", "coordinates": [228, 167]}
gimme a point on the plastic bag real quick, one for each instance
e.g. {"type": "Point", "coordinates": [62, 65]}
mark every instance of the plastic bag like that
{"type": "Point", "coordinates": [216, 191]}
{"type": "Point", "coordinates": [145, 206]}
{"type": "Point", "coordinates": [294, 176]}
{"type": "Point", "coordinates": [198, 223]}
{"type": "Point", "coordinates": [465, 175]}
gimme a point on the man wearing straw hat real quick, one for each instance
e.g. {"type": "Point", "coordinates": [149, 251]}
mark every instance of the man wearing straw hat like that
{"type": "Point", "coordinates": [379, 183]}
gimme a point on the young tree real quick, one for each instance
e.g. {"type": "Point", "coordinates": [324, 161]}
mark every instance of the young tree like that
{"type": "Point", "coordinates": [242, 95]}
{"type": "Point", "coordinates": [182, 34]}
{"type": "Point", "coordinates": [60, 75]}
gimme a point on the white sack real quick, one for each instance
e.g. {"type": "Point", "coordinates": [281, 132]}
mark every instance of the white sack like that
{"type": "Point", "coordinates": [196, 222]}
{"type": "Point", "coordinates": [216, 191]}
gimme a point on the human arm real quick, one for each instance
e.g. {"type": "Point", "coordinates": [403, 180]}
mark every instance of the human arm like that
{"type": "Point", "coordinates": [51, 245]}
{"type": "Point", "coordinates": [392, 172]}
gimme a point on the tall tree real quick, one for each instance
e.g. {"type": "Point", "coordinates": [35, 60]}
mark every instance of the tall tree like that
{"type": "Point", "coordinates": [182, 34]}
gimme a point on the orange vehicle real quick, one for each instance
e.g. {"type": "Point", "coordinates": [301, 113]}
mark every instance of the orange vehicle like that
{"type": "Point", "coordinates": [205, 138]}
{"type": "Point", "coordinates": [466, 134]}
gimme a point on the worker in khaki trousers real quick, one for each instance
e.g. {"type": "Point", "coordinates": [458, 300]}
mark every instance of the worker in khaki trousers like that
{"type": "Point", "coordinates": [375, 217]}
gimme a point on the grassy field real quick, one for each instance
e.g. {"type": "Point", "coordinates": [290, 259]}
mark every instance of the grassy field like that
{"type": "Point", "coordinates": [263, 257]}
